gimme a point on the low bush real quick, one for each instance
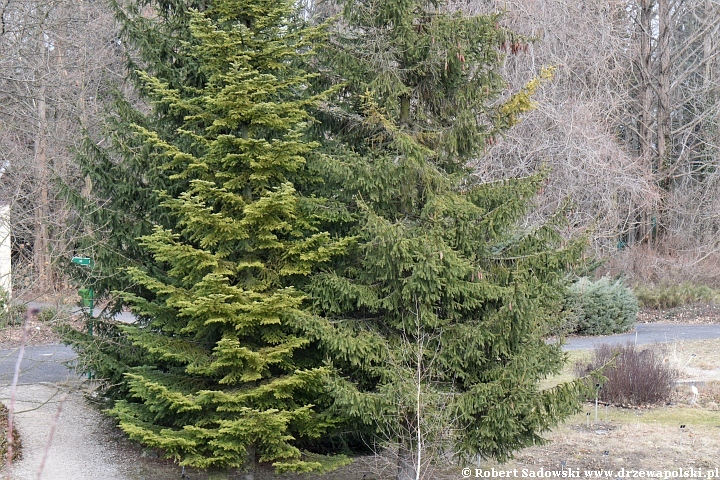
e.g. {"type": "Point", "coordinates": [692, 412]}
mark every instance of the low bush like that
{"type": "Point", "coordinates": [12, 316]}
{"type": "Point", "coordinates": [602, 307]}
{"type": "Point", "coordinates": [670, 296]}
{"type": "Point", "coordinates": [634, 377]}
{"type": "Point", "coordinates": [47, 314]}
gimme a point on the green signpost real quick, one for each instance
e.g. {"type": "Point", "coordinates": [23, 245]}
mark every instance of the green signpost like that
{"type": "Point", "coordinates": [87, 295]}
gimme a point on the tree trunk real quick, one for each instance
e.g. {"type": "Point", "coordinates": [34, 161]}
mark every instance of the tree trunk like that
{"type": "Point", "coordinates": [663, 113]}
{"type": "Point", "coordinates": [406, 466]}
{"type": "Point", "coordinates": [645, 117]}
{"type": "Point", "coordinates": [41, 247]}
{"type": "Point", "coordinates": [251, 462]}
{"type": "Point", "coordinates": [404, 109]}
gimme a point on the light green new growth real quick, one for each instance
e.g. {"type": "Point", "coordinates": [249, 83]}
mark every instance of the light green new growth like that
{"type": "Point", "coordinates": [230, 377]}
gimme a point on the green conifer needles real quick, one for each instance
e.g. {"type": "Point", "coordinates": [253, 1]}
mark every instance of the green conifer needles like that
{"type": "Point", "coordinates": [447, 307]}
{"type": "Point", "coordinates": [230, 380]}
{"type": "Point", "coordinates": [447, 293]}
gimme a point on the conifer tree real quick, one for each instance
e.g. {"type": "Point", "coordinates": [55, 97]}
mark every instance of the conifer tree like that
{"type": "Point", "coordinates": [439, 311]}
{"type": "Point", "coordinates": [434, 318]}
{"type": "Point", "coordinates": [227, 376]}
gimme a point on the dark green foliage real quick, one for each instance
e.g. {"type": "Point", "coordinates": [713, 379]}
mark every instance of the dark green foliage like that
{"type": "Point", "coordinates": [440, 310]}
{"type": "Point", "coordinates": [633, 376]}
{"type": "Point", "coordinates": [602, 307]}
{"type": "Point", "coordinates": [431, 72]}
{"type": "Point", "coordinates": [155, 29]}
{"type": "Point", "coordinates": [670, 296]}
{"type": "Point", "coordinates": [107, 355]}
{"type": "Point", "coordinates": [461, 295]}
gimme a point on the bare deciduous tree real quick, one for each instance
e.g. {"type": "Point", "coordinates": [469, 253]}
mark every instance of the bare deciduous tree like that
{"type": "Point", "coordinates": [60, 59]}
{"type": "Point", "coordinates": [628, 126]}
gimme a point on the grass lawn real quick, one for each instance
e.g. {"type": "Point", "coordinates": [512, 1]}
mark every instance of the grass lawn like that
{"type": "Point", "coordinates": [682, 434]}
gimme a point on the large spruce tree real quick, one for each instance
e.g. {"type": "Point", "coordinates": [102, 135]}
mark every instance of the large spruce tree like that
{"type": "Point", "coordinates": [226, 376]}
{"type": "Point", "coordinates": [440, 309]}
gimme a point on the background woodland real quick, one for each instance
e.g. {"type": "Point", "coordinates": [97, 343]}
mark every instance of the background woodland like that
{"type": "Point", "coordinates": [627, 127]}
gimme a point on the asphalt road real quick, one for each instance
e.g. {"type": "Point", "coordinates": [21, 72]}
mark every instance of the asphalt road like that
{"type": "Point", "coordinates": [40, 364]}
{"type": "Point", "coordinates": [649, 333]}
{"type": "Point", "coordinates": [45, 363]}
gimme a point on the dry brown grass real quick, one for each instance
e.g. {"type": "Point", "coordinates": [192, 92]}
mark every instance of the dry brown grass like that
{"type": "Point", "coordinates": [695, 361]}
{"type": "Point", "coordinates": [641, 438]}
{"type": "Point", "coordinates": [630, 439]}
{"type": "Point", "coordinates": [40, 330]}
{"type": "Point", "coordinates": [16, 444]}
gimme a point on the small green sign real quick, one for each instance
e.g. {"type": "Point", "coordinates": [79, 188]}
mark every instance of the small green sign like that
{"type": "Point", "coordinates": [84, 261]}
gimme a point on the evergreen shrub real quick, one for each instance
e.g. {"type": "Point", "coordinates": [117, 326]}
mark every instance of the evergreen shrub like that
{"type": "Point", "coordinates": [671, 296]}
{"type": "Point", "coordinates": [602, 307]}
{"type": "Point", "coordinates": [634, 377]}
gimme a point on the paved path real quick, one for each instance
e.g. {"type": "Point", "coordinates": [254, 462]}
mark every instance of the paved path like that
{"type": "Point", "coordinates": [649, 333]}
{"type": "Point", "coordinates": [62, 437]}
{"type": "Point", "coordinates": [40, 364]}
{"type": "Point", "coordinates": [125, 317]}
